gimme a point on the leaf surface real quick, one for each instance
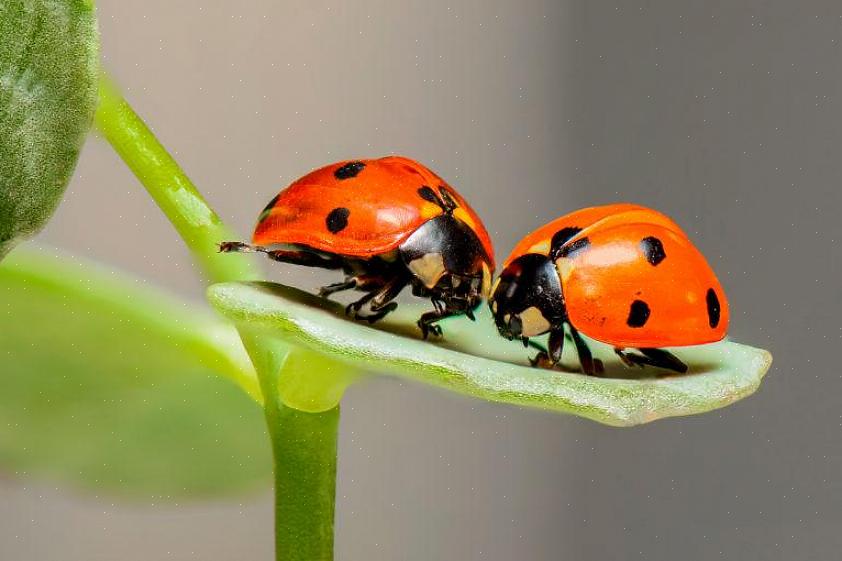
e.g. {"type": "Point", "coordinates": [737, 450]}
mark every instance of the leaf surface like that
{"type": "Point", "coordinates": [473, 359]}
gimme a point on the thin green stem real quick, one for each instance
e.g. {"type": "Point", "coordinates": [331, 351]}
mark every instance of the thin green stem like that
{"type": "Point", "coordinates": [304, 444]}
{"type": "Point", "coordinates": [197, 224]}
{"type": "Point", "coordinates": [304, 447]}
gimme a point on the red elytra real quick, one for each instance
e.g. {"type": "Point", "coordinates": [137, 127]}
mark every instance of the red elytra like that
{"type": "Point", "coordinates": [383, 204]}
{"type": "Point", "coordinates": [387, 223]}
{"type": "Point", "coordinates": [622, 274]}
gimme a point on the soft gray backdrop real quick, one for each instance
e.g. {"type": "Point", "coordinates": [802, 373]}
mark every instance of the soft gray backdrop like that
{"type": "Point", "coordinates": [725, 115]}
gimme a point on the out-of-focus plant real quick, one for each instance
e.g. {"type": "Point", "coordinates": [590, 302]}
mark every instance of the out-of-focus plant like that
{"type": "Point", "coordinates": [108, 384]}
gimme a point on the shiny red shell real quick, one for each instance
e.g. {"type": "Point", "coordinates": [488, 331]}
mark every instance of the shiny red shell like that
{"type": "Point", "coordinates": [539, 240]}
{"type": "Point", "coordinates": [360, 208]}
{"type": "Point", "coordinates": [632, 278]}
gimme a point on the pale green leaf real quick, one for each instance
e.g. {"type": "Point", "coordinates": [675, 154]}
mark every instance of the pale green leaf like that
{"type": "Point", "coordinates": [473, 359]}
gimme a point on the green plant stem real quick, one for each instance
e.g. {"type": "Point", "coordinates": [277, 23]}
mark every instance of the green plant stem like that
{"type": "Point", "coordinates": [304, 444]}
{"type": "Point", "coordinates": [304, 447]}
{"type": "Point", "coordinates": [197, 224]}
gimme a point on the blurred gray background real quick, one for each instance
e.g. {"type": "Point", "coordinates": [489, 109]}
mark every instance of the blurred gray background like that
{"type": "Point", "coordinates": [725, 115]}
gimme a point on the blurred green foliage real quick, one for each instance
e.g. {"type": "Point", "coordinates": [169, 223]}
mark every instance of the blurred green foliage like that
{"type": "Point", "coordinates": [106, 384]}
{"type": "Point", "coordinates": [48, 73]}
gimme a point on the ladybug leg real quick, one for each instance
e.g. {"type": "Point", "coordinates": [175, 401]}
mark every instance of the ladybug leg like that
{"type": "Point", "coordinates": [664, 359]}
{"type": "Point", "coordinates": [380, 314]}
{"type": "Point", "coordinates": [354, 307]}
{"type": "Point", "coordinates": [306, 258]}
{"type": "Point", "coordinates": [381, 301]}
{"type": "Point", "coordinates": [590, 365]}
{"type": "Point", "coordinates": [653, 357]}
{"type": "Point", "coordinates": [235, 247]}
{"type": "Point", "coordinates": [550, 357]}
{"type": "Point", "coordinates": [626, 358]}
{"type": "Point", "coordinates": [329, 289]}
{"type": "Point", "coordinates": [427, 321]}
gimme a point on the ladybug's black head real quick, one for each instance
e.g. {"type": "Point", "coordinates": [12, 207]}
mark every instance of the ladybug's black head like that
{"type": "Point", "coordinates": [448, 262]}
{"type": "Point", "coordinates": [526, 300]}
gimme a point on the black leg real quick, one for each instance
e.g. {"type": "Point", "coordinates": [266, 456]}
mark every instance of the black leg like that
{"type": "Point", "coordinates": [550, 357]}
{"type": "Point", "coordinates": [590, 366]}
{"type": "Point", "coordinates": [306, 258]}
{"type": "Point", "coordinates": [470, 314]}
{"type": "Point", "coordinates": [354, 307]}
{"type": "Point", "coordinates": [427, 321]}
{"type": "Point", "coordinates": [347, 284]}
{"type": "Point", "coordinates": [664, 359]}
{"type": "Point", "coordinates": [379, 314]}
{"type": "Point", "coordinates": [235, 247]}
{"type": "Point", "coordinates": [556, 344]}
{"type": "Point", "coordinates": [381, 301]}
{"type": "Point", "coordinates": [527, 342]}
{"type": "Point", "coordinates": [653, 357]}
{"type": "Point", "coordinates": [624, 356]}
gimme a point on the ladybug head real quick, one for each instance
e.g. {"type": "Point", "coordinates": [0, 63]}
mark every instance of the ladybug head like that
{"type": "Point", "coordinates": [448, 262]}
{"type": "Point", "coordinates": [526, 300]}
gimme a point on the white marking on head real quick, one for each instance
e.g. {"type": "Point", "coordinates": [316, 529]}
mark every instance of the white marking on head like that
{"type": "Point", "coordinates": [429, 269]}
{"type": "Point", "coordinates": [534, 323]}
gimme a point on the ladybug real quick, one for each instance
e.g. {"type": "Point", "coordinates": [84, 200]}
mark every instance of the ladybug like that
{"type": "Point", "coordinates": [622, 274]}
{"type": "Point", "coordinates": [387, 223]}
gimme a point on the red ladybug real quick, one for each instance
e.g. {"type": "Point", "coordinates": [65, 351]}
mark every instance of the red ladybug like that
{"type": "Point", "coordinates": [622, 274]}
{"type": "Point", "coordinates": [387, 223]}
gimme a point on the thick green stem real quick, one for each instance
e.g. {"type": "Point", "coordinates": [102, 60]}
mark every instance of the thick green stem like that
{"type": "Point", "coordinates": [304, 444]}
{"type": "Point", "coordinates": [197, 224]}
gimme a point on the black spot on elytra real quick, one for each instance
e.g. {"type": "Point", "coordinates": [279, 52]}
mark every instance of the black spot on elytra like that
{"type": "Point", "coordinates": [574, 248]}
{"type": "Point", "coordinates": [443, 198]}
{"type": "Point", "coordinates": [713, 307]}
{"type": "Point", "coordinates": [563, 236]}
{"type": "Point", "coordinates": [426, 192]}
{"type": "Point", "coordinates": [349, 170]}
{"type": "Point", "coordinates": [653, 250]}
{"type": "Point", "coordinates": [638, 314]}
{"type": "Point", "coordinates": [559, 239]}
{"type": "Point", "coordinates": [337, 219]}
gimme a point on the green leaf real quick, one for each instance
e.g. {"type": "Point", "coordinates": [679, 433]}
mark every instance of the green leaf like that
{"type": "Point", "coordinates": [48, 76]}
{"type": "Point", "coordinates": [110, 385]}
{"type": "Point", "coordinates": [474, 360]}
